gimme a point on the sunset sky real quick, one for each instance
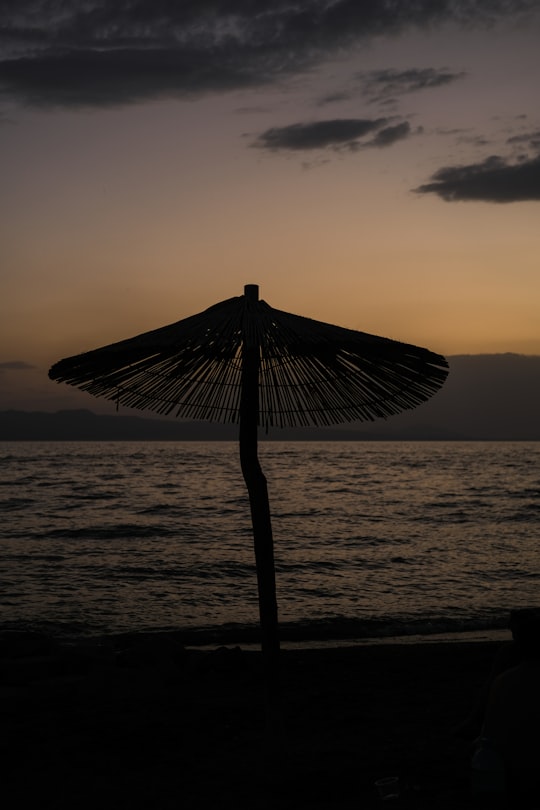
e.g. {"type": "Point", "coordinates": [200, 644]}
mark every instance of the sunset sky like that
{"type": "Point", "coordinates": [371, 164]}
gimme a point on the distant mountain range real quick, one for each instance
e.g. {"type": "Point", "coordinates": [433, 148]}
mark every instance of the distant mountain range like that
{"type": "Point", "coordinates": [486, 397]}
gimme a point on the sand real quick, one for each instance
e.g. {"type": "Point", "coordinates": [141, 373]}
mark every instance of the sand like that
{"type": "Point", "coordinates": [141, 722]}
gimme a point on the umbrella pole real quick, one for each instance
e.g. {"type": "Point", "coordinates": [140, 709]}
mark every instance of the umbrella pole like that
{"type": "Point", "coordinates": [260, 514]}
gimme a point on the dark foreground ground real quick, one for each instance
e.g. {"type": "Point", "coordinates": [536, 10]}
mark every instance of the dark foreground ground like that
{"type": "Point", "coordinates": [139, 722]}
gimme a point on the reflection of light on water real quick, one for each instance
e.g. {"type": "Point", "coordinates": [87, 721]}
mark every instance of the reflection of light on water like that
{"type": "Point", "coordinates": [159, 535]}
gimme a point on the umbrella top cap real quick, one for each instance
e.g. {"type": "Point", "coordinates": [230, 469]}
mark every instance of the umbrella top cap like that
{"type": "Point", "coordinates": [251, 291]}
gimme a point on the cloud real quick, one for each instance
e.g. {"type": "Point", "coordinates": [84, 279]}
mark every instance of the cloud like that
{"type": "Point", "coordinates": [382, 85]}
{"type": "Point", "coordinates": [100, 53]}
{"type": "Point", "coordinates": [334, 98]}
{"type": "Point", "coordinates": [390, 135]}
{"type": "Point", "coordinates": [336, 133]}
{"type": "Point", "coordinates": [528, 139]}
{"type": "Point", "coordinates": [493, 180]}
{"type": "Point", "coordinates": [88, 78]}
{"type": "Point", "coordinates": [15, 365]}
{"type": "Point", "coordinates": [385, 86]}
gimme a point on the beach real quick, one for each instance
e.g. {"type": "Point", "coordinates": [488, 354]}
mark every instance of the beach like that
{"type": "Point", "coordinates": [140, 721]}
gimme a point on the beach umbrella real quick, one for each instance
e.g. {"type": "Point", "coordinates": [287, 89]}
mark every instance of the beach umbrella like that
{"type": "Point", "coordinates": [243, 361]}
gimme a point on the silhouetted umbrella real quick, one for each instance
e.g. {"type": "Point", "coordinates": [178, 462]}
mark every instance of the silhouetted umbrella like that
{"type": "Point", "coordinates": [243, 361]}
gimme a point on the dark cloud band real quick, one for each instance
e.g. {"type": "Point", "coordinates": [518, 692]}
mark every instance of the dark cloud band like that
{"type": "Point", "coordinates": [338, 133]}
{"type": "Point", "coordinates": [319, 134]}
{"type": "Point", "coordinates": [381, 85]}
{"type": "Point", "coordinates": [101, 53]}
{"type": "Point", "coordinates": [390, 135]}
{"type": "Point", "coordinates": [494, 180]}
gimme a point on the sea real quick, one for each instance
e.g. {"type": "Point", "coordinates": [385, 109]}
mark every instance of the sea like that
{"type": "Point", "coordinates": [372, 540]}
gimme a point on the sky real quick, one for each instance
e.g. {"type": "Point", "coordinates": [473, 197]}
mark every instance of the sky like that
{"type": "Point", "coordinates": [374, 165]}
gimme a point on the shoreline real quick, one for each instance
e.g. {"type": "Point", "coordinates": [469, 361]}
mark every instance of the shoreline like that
{"type": "Point", "coordinates": [302, 636]}
{"type": "Point", "coordinates": [498, 635]}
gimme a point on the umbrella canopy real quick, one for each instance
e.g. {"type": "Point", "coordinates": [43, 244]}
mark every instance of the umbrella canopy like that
{"type": "Point", "coordinates": [243, 361]}
{"type": "Point", "coordinates": [310, 373]}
